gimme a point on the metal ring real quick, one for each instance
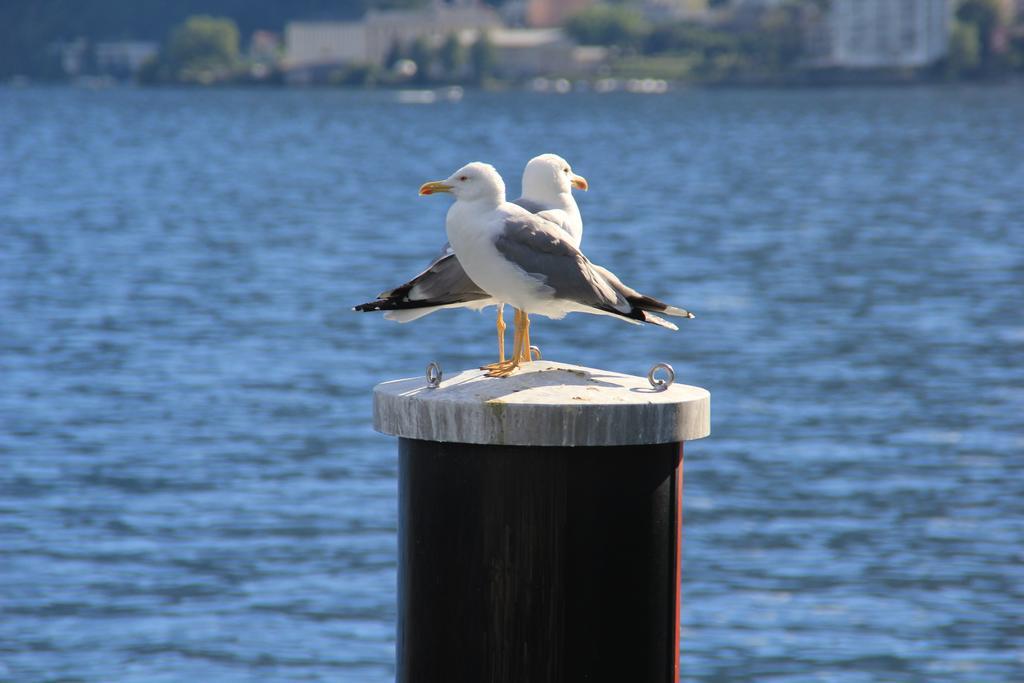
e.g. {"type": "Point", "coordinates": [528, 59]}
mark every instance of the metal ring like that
{"type": "Point", "coordinates": [434, 374]}
{"type": "Point", "coordinates": [658, 383]}
{"type": "Point", "coordinates": [535, 353]}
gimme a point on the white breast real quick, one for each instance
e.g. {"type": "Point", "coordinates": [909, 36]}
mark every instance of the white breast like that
{"type": "Point", "coordinates": [472, 235]}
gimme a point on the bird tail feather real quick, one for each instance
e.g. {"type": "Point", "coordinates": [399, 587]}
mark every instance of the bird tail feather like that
{"type": "Point", "coordinates": [679, 312]}
{"type": "Point", "coordinates": [660, 322]}
{"type": "Point", "coordinates": [648, 303]}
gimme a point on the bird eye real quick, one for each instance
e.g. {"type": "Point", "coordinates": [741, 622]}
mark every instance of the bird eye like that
{"type": "Point", "coordinates": [566, 170]}
{"type": "Point", "coordinates": [463, 177]}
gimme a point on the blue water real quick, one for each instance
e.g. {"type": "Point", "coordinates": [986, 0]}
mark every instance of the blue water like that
{"type": "Point", "coordinates": [189, 485]}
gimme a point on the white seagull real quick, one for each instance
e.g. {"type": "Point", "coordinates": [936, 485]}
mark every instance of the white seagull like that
{"type": "Point", "coordinates": [548, 181]}
{"type": "Point", "coordinates": [524, 260]}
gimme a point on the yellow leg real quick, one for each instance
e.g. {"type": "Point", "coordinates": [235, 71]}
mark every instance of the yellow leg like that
{"type": "Point", "coordinates": [501, 333]}
{"type": "Point", "coordinates": [501, 342]}
{"type": "Point", "coordinates": [507, 368]}
{"type": "Point", "coordinates": [525, 355]}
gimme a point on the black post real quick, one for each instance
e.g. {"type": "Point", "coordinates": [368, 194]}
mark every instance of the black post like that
{"type": "Point", "coordinates": [520, 564]}
{"type": "Point", "coordinates": [540, 519]}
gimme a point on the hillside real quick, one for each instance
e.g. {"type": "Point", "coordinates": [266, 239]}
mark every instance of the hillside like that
{"type": "Point", "coordinates": [28, 27]}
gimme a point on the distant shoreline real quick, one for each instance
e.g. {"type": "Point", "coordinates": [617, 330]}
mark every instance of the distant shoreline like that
{"type": "Point", "coordinates": [578, 86]}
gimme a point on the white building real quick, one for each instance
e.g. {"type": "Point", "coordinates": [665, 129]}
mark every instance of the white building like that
{"type": "Point", "coordinates": [312, 44]}
{"type": "Point", "coordinates": [119, 58]}
{"type": "Point", "coordinates": [124, 56]}
{"type": "Point", "coordinates": [321, 43]}
{"type": "Point", "coordinates": [528, 52]}
{"type": "Point", "coordinates": [882, 33]}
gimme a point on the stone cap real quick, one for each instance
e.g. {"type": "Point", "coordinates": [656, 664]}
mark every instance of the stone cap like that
{"type": "Point", "coordinates": [544, 403]}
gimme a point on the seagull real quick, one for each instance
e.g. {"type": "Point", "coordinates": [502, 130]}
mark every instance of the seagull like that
{"type": "Point", "coordinates": [530, 263]}
{"type": "Point", "coordinates": [548, 181]}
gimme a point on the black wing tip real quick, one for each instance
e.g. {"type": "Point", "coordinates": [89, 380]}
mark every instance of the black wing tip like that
{"type": "Point", "coordinates": [651, 304]}
{"type": "Point", "coordinates": [387, 305]}
{"type": "Point", "coordinates": [401, 304]}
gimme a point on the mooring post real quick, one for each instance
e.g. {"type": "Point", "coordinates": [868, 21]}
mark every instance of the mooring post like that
{"type": "Point", "coordinates": [540, 521]}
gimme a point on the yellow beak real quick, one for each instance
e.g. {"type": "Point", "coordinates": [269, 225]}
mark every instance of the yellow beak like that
{"type": "Point", "coordinates": [434, 186]}
{"type": "Point", "coordinates": [580, 183]}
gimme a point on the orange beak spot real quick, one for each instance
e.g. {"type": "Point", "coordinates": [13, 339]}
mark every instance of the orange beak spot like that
{"type": "Point", "coordinates": [434, 186]}
{"type": "Point", "coordinates": [580, 183]}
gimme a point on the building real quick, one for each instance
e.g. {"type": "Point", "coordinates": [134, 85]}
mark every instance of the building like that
{"type": "Point", "coordinates": [311, 45]}
{"type": "Point", "coordinates": [550, 13]}
{"type": "Point", "coordinates": [873, 34]}
{"type": "Point", "coordinates": [123, 58]}
{"type": "Point", "coordinates": [527, 52]}
{"type": "Point", "coordinates": [117, 59]}
{"type": "Point", "coordinates": [530, 52]}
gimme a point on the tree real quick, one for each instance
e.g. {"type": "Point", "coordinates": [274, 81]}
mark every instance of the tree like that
{"type": "Point", "coordinates": [777, 42]}
{"type": "Point", "coordinates": [395, 53]}
{"type": "Point", "coordinates": [482, 58]}
{"type": "Point", "coordinates": [453, 56]}
{"type": "Point", "coordinates": [356, 74]}
{"type": "Point", "coordinates": [150, 73]}
{"type": "Point", "coordinates": [964, 50]}
{"type": "Point", "coordinates": [986, 16]}
{"type": "Point", "coordinates": [423, 55]}
{"type": "Point", "coordinates": [690, 38]}
{"type": "Point", "coordinates": [608, 25]}
{"type": "Point", "coordinates": [203, 49]}
{"type": "Point", "coordinates": [1017, 52]}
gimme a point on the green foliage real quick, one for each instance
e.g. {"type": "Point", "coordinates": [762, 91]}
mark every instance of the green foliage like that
{"type": "Point", "coordinates": [777, 43]}
{"type": "Point", "coordinates": [423, 55]}
{"type": "Point", "coordinates": [395, 53]}
{"type": "Point", "coordinates": [482, 58]}
{"type": "Point", "coordinates": [608, 25]}
{"type": "Point", "coordinates": [770, 49]}
{"type": "Point", "coordinates": [690, 38]}
{"type": "Point", "coordinates": [151, 72]}
{"type": "Point", "coordinates": [452, 56]}
{"type": "Point", "coordinates": [986, 16]}
{"type": "Point", "coordinates": [964, 50]}
{"type": "Point", "coordinates": [355, 75]}
{"type": "Point", "coordinates": [202, 50]}
{"type": "Point", "coordinates": [1016, 58]}
{"type": "Point", "coordinates": [667, 67]}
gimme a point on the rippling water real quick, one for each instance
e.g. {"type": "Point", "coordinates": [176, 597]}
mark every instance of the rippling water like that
{"type": "Point", "coordinates": [189, 485]}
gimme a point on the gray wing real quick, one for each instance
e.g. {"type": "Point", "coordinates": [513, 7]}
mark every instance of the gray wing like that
{"type": "Point", "coordinates": [539, 248]}
{"type": "Point", "coordinates": [529, 205]}
{"type": "Point", "coordinates": [443, 283]}
{"type": "Point", "coordinates": [638, 300]}
{"type": "Point", "coordinates": [556, 216]}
